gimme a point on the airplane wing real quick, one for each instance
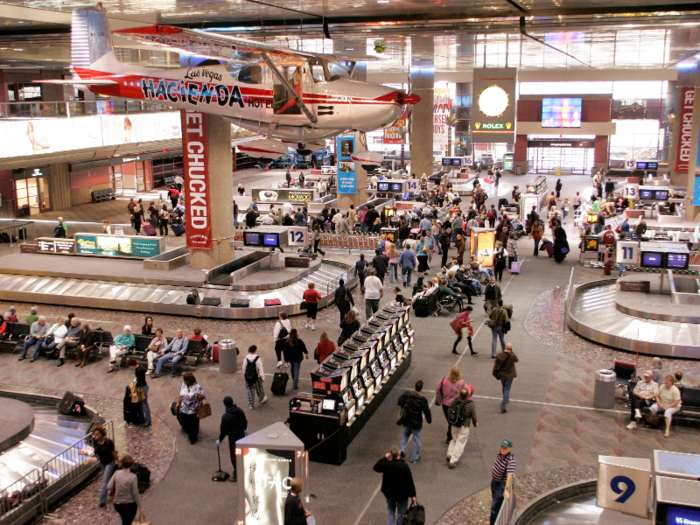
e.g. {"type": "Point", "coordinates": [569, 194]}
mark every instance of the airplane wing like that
{"type": "Point", "coordinates": [205, 44]}
{"type": "Point", "coordinates": [82, 82]}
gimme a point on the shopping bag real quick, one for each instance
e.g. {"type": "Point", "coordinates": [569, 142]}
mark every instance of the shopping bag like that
{"type": "Point", "coordinates": [203, 410]}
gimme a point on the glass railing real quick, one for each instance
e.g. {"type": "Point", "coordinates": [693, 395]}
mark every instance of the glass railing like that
{"type": "Point", "coordinates": [31, 110]}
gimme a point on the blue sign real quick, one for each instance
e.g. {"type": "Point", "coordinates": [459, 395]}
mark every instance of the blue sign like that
{"type": "Point", "coordinates": [347, 171]}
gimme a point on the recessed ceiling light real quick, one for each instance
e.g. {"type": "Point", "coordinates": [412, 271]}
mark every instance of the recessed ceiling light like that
{"type": "Point", "coordinates": [18, 49]}
{"type": "Point", "coordinates": [350, 49]}
{"type": "Point", "coordinates": [382, 1]}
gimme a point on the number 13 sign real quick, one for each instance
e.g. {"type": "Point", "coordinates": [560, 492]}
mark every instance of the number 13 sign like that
{"type": "Point", "coordinates": [623, 484]}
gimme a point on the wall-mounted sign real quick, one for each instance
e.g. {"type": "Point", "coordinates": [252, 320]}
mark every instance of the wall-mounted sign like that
{"type": "Point", "coordinates": [29, 173]}
{"type": "Point", "coordinates": [493, 110]}
{"type": "Point", "coordinates": [442, 107]}
{"type": "Point", "coordinates": [560, 144]}
{"type": "Point", "coordinates": [59, 246]}
{"type": "Point", "coordinates": [195, 149]}
{"type": "Point", "coordinates": [283, 195]}
{"type": "Point", "coordinates": [392, 134]}
{"type": "Point", "coordinates": [685, 98]}
{"type": "Point", "coordinates": [115, 246]}
{"type": "Point", "coordinates": [347, 171]}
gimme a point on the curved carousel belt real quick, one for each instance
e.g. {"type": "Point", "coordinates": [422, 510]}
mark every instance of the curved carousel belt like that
{"type": "Point", "coordinates": [166, 299]}
{"type": "Point", "coordinates": [594, 315]}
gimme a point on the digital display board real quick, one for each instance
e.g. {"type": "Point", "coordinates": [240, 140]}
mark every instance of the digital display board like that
{"type": "Point", "coordinates": [382, 186]}
{"type": "Point", "coordinates": [292, 195]}
{"type": "Point", "coordinates": [396, 187]}
{"type": "Point", "coordinates": [677, 261]}
{"type": "Point", "coordinates": [652, 260]}
{"type": "Point", "coordinates": [271, 240]}
{"type": "Point", "coordinates": [251, 239]}
{"type": "Point", "coordinates": [642, 165]}
{"type": "Point", "coordinates": [590, 244]}
{"type": "Point", "coordinates": [457, 162]}
{"type": "Point", "coordinates": [267, 475]}
{"type": "Point", "coordinates": [646, 194]}
{"type": "Point", "coordinates": [561, 112]}
{"type": "Point", "coordinates": [117, 246]}
{"type": "Point", "coordinates": [446, 161]}
{"type": "Point", "coordinates": [661, 195]}
{"type": "Point", "coordinates": [682, 516]}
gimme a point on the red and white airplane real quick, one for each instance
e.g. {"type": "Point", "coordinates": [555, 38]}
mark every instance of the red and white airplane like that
{"type": "Point", "coordinates": [292, 98]}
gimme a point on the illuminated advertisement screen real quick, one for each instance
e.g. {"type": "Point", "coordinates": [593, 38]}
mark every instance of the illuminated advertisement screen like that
{"type": "Point", "coordinates": [283, 195]}
{"type": "Point", "coordinates": [115, 246]}
{"type": "Point", "coordinates": [561, 112]}
{"type": "Point", "coordinates": [267, 474]}
{"type": "Point", "coordinates": [677, 260]}
{"type": "Point", "coordinates": [271, 239]}
{"type": "Point", "coordinates": [652, 259]}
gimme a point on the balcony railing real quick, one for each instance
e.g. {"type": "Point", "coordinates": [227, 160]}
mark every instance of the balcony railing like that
{"type": "Point", "coordinates": [31, 110]}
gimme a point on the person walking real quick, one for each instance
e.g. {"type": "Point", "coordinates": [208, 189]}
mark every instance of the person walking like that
{"type": "Point", "coordinates": [324, 348]}
{"type": "Point", "coordinates": [500, 258]}
{"type": "Point", "coordinates": [360, 267]}
{"type": "Point", "coordinates": [414, 406]}
{"type": "Point", "coordinates": [294, 353]}
{"type": "Point", "coordinates": [504, 371]}
{"type": "Point", "coordinates": [343, 299]}
{"type": "Point", "coordinates": [447, 390]}
{"type": "Point", "coordinates": [422, 253]}
{"type": "Point", "coordinates": [461, 412]}
{"type": "Point", "coordinates": [408, 261]}
{"type": "Point", "coordinates": [254, 376]}
{"type": "Point", "coordinates": [294, 511]}
{"type": "Point", "coordinates": [565, 207]}
{"type": "Point", "coordinates": [107, 456]}
{"type": "Point", "coordinates": [144, 408]}
{"type": "Point", "coordinates": [348, 326]}
{"type": "Point", "coordinates": [311, 298]}
{"type": "Point", "coordinates": [281, 334]}
{"type": "Point", "coordinates": [316, 236]}
{"type": "Point", "coordinates": [498, 317]}
{"type": "Point", "coordinates": [444, 241]}
{"type": "Point", "coordinates": [191, 396]}
{"type": "Point", "coordinates": [124, 487]}
{"type": "Point", "coordinates": [380, 263]}
{"type": "Point", "coordinates": [557, 187]}
{"type": "Point", "coordinates": [492, 294]}
{"type": "Point", "coordinates": [536, 233]}
{"type": "Point", "coordinates": [502, 477]}
{"type": "Point", "coordinates": [393, 263]}
{"type": "Point", "coordinates": [458, 324]}
{"type": "Point", "coordinates": [233, 426]}
{"type": "Point", "coordinates": [397, 484]}
{"type": "Point", "coordinates": [374, 291]}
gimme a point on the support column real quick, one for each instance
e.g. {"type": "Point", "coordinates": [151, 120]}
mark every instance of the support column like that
{"type": "Point", "coordinates": [220, 184]}
{"type": "Point", "coordinates": [59, 186]}
{"type": "Point", "coordinates": [51, 92]}
{"type": "Point", "coordinates": [422, 84]}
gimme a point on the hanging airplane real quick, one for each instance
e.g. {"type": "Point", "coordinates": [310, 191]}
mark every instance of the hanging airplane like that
{"type": "Point", "coordinates": [288, 96]}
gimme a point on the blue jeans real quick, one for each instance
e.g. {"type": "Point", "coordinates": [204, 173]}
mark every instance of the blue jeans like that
{"type": "Point", "coordinates": [48, 348]}
{"type": "Point", "coordinates": [397, 510]}
{"type": "Point", "coordinates": [620, 269]}
{"type": "Point", "coordinates": [407, 431]}
{"type": "Point", "coordinates": [507, 383]}
{"type": "Point", "coordinates": [537, 247]}
{"type": "Point", "coordinates": [107, 472]}
{"type": "Point", "coordinates": [497, 332]}
{"type": "Point", "coordinates": [296, 367]}
{"type": "Point", "coordinates": [371, 306]}
{"type": "Point", "coordinates": [393, 271]}
{"type": "Point", "coordinates": [477, 286]}
{"type": "Point", "coordinates": [406, 275]}
{"type": "Point", "coordinates": [29, 342]}
{"type": "Point", "coordinates": [144, 409]}
{"type": "Point", "coordinates": [497, 498]}
{"type": "Point", "coordinates": [176, 358]}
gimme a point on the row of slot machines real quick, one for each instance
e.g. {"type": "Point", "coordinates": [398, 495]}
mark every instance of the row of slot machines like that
{"type": "Point", "coordinates": [345, 383]}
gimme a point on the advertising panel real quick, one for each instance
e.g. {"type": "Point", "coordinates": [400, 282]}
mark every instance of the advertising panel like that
{"type": "Point", "coordinates": [493, 106]}
{"type": "Point", "coordinates": [51, 245]}
{"type": "Point", "coordinates": [442, 105]}
{"type": "Point", "coordinates": [34, 137]}
{"type": "Point", "coordinates": [267, 475]}
{"type": "Point", "coordinates": [283, 195]}
{"type": "Point", "coordinates": [114, 246]}
{"type": "Point", "coordinates": [696, 185]}
{"type": "Point", "coordinates": [685, 120]}
{"type": "Point", "coordinates": [391, 133]}
{"type": "Point", "coordinates": [347, 171]}
{"type": "Point", "coordinates": [195, 150]}
{"type": "Point", "coordinates": [126, 129]}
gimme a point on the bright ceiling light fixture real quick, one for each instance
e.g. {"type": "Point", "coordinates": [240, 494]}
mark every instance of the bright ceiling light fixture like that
{"type": "Point", "coordinates": [382, 1]}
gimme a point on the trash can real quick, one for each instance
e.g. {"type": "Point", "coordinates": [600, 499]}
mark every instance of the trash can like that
{"type": "Point", "coordinates": [228, 359]}
{"type": "Point", "coordinates": [604, 392]}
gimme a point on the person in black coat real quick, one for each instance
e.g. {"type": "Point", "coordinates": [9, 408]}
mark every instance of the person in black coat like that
{"type": "Point", "coordinates": [294, 511]}
{"type": "Point", "coordinates": [251, 218]}
{"type": "Point", "coordinates": [233, 425]}
{"type": "Point", "coordinates": [559, 243]}
{"type": "Point", "coordinates": [294, 352]}
{"type": "Point", "coordinates": [416, 406]}
{"type": "Point", "coordinates": [397, 484]}
{"type": "Point", "coordinates": [343, 305]}
{"type": "Point", "coordinates": [380, 263]}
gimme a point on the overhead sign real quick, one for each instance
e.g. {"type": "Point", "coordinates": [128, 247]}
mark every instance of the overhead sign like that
{"type": "Point", "coordinates": [560, 144]}
{"type": "Point", "coordinates": [685, 120]}
{"type": "Point", "coordinates": [624, 484]}
{"type": "Point", "coordinates": [442, 106]}
{"type": "Point", "coordinates": [195, 156]}
{"type": "Point", "coordinates": [115, 246]}
{"type": "Point", "coordinates": [494, 104]}
{"type": "Point", "coordinates": [392, 134]}
{"type": "Point", "coordinates": [347, 171]}
{"type": "Point", "coordinates": [283, 195]}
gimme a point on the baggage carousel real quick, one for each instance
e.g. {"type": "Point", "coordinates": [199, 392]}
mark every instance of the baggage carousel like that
{"type": "Point", "coordinates": [650, 323]}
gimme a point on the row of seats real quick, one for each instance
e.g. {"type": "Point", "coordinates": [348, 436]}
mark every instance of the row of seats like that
{"type": "Point", "coordinates": [103, 195]}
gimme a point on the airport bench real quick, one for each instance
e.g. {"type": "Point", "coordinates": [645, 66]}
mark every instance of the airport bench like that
{"type": "Point", "coordinates": [194, 355]}
{"type": "Point", "coordinates": [103, 195]}
{"type": "Point", "coordinates": [689, 414]}
{"type": "Point", "coordinates": [15, 334]}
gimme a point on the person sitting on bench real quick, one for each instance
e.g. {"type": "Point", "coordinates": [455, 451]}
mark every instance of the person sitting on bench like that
{"type": "Point", "coordinates": [86, 344]}
{"type": "Point", "coordinates": [37, 334]}
{"type": "Point", "coordinates": [175, 351]}
{"type": "Point", "coordinates": [121, 346]}
{"type": "Point", "coordinates": [156, 348]}
{"type": "Point", "coordinates": [71, 340]}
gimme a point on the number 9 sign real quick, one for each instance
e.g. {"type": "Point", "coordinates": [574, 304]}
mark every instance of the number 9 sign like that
{"type": "Point", "coordinates": [624, 484]}
{"type": "Point", "coordinates": [629, 488]}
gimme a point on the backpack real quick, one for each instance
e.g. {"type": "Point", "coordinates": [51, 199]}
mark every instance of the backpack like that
{"type": "Point", "coordinates": [251, 372]}
{"type": "Point", "coordinates": [283, 333]}
{"type": "Point", "coordinates": [455, 416]}
{"type": "Point", "coordinates": [491, 214]}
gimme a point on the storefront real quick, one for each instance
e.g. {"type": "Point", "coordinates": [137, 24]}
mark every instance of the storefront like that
{"type": "Point", "coordinates": [31, 191]}
{"type": "Point", "coordinates": [564, 155]}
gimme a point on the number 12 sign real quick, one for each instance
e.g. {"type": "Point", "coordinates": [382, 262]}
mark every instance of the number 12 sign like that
{"type": "Point", "coordinates": [627, 252]}
{"type": "Point", "coordinates": [297, 236]}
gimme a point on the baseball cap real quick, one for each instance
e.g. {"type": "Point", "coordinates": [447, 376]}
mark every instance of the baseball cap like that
{"type": "Point", "coordinates": [648, 373]}
{"type": "Point", "coordinates": [507, 443]}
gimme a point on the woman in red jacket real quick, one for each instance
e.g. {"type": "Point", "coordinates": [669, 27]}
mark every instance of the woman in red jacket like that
{"type": "Point", "coordinates": [311, 297]}
{"type": "Point", "coordinates": [324, 348]}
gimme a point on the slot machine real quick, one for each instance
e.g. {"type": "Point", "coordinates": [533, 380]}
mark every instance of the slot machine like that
{"type": "Point", "coordinates": [368, 382]}
{"type": "Point", "coordinates": [330, 381]}
{"type": "Point", "coordinates": [377, 374]}
{"type": "Point", "coordinates": [384, 364]}
{"type": "Point", "coordinates": [338, 362]}
{"type": "Point", "coordinates": [348, 404]}
{"type": "Point", "coordinates": [360, 394]}
{"type": "Point", "coordinates": [392, 355]}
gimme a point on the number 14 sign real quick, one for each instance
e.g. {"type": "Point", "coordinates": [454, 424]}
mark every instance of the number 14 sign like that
{"type": "Point", "coordinates": [627, 252]}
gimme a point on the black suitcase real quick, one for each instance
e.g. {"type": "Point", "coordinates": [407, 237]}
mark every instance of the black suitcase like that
{"type": "Point", "coordinates": [71, 405]}
{"type": "Point", "coordinates": [422, 307]}
{"type": "Point", "coordinates": [178, 229]}
{"type": "Point", "coordinates": [211, 301]}
{"type": "Point", "coordinates": [193, 297]}
{"type": "Point", "coordinates": [143, 476]}
{"type": "Point", "coordinates": [279, 383]}
{"type": "Point", "coordinates": [240, 302]}
{"type": "Point", "coordinates": [131, 410]}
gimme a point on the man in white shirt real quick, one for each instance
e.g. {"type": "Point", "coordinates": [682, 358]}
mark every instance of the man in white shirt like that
{"type": "Point", "coordinates": [343, 225]}
{"type": "Point", "coordinates": [336, 219]}
{"type": "Point", "coordinates": [374, 290]}
{"type": "Point", "coordinates": [269, 219]}
{"type": "Point", "coordinates": [287, 209]}
{"type": "Point", "coordinates": [254, 387]}
{"type": "Point", "coordinates": [643, 396]}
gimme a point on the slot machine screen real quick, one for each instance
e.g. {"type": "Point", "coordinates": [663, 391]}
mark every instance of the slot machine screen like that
{"type": "Point", "coordinates": [347, 394]}
{"type": "Point", "coordinates": [328, 404]}
{"type": "Point", "coordinates": [376, 372]}
{"type": "Point", "coordinates": [383, 360]}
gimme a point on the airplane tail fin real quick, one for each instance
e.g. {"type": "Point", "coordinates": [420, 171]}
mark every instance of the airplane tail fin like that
{"type": "Point", "coordinates": [90, 39]}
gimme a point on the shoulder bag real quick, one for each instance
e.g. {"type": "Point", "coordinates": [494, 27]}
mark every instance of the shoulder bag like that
{"type": "Point", "coordinates": [438, 394]}
{"type": "Point", "coordinates": [497, 372]}
{"type": "Point", "coordinates": [203, 410]}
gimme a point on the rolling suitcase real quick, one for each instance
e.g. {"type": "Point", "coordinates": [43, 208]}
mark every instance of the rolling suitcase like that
{"type": "Point", "coordinates": [279, 382]}
{"type": "Point", "coordinates": [607, 269]}
{"type": "Point", "coordinates": [422, 307]}
{"type": "Point", "coordinates": [131, 410]}
{"type": "Point", "coordinates": [178, 229]}
{"type": "Point", "coordinates": [515, 267]}
{"type": "Point", "coordinates": [215, 353]}
{"type": "Point", "coordinates": [239, 302]}
{"type": "Point", "coordinates": [150, 230]}
{"type": "Point", "coordinates": [211, 301]}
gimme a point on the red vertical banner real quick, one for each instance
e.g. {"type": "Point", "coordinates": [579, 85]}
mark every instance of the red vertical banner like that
{"type": "Point", "coordinates": [195, 154]}
{"type": "Point", "coordinates": [684, 110]}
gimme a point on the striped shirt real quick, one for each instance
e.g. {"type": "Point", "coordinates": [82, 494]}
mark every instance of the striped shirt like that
{"type": "Point", "coordinates": [502, 467]}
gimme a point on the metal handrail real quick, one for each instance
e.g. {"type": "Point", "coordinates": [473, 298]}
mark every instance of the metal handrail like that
{"type": "Point", "coordinates": [505, 515]}
{"type": "Point", "coordinates": [568, 296]}
{"type": "Point", "coordinates": [14, 224]}
{"type": "Point", "coordinates": [77, 108]}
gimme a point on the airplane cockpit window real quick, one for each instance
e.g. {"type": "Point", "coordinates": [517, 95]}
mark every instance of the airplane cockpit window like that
{"type": "Point", "coordinates": [336, 71]}
{"type": "Point", "coordinates": [317, 73]}
{"type": "Point", "coordinates": [251, 75]}
{"type": "Point", "coordinates": [323, 71]}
